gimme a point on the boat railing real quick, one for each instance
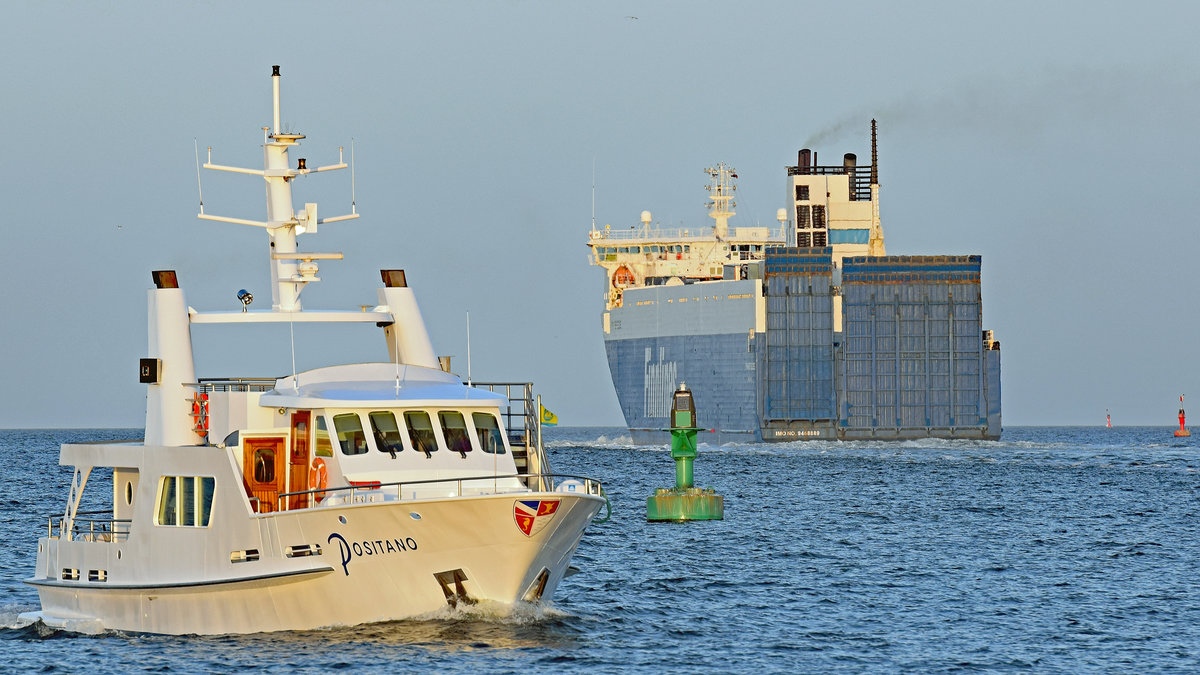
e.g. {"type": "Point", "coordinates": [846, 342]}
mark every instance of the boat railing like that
{"type": "Point", "coordinates": [437, 488]}
{"type": "Point", "coordinates": [93, 526]}
{"type": "Point", "coordinates": [207, 385]}
{"type": "Point", "coordinates": [520, 418]}
{"type": "Point", "coordinates": [667, 236]}
{"type": "Point", "coordinates": [652, 234]}
{"type": "Point", "coordinates": [523, 424]}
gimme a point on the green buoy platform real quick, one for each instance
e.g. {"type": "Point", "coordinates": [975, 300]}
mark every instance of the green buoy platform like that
{"type": "Point", "coordinates": [685, 501]}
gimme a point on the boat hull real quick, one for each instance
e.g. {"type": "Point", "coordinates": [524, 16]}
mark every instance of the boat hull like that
{"type": "Point", "coordinates": [376, 562]}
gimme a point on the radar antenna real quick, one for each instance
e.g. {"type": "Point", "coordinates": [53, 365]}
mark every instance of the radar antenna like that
{"type": "Point", "coordinates": [720, 204]}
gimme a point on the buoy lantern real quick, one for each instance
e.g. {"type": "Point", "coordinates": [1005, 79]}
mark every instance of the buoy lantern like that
{"type": "Point", "coordinates": [1182, 430]}
{"type": "Point", "coordinates": [685, 501]}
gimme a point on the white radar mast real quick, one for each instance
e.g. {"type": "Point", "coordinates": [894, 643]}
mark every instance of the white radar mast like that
{"type": "Point", "coordinates": [291, 270]}
{"type": "Point", "coordinates": [720, 196]}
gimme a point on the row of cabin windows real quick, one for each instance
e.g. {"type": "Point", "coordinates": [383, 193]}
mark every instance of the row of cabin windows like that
{"type": "Point", "coordinates": [185, 501]}
{"type": "Point", "coordinates": [612, 250]}
{"type": "Point", "coordinates": [390, 436]}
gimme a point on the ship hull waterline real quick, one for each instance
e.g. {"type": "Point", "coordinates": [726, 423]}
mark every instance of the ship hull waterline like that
{"type": "Point", "coordinates": [381, 564]}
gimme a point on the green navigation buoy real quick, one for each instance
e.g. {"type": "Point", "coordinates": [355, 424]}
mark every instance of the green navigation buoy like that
{"type": "Point", "coordinates": [684, 501]}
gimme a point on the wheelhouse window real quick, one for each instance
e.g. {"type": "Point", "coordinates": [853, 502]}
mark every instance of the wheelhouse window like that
{"type": "Point", "coordinates": [185, 501]}
{"type": "Point", "coordinates": [324, 446]}
{"type": "Point", "coordinates": [350, 433]}
{"type": "Point", "coordinates": [420, 431]}
{"type": "Point", "coordinates": [387, 433]}
{"type": "Point", "coordinates": [454, 430]}
{"type": "Point", "coordinates": [487, 431]}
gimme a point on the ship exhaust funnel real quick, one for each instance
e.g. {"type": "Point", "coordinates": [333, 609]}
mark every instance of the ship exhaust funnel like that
{"type": "Point", "coordinates": [408, 340]}
{"type": "Point", "coordinates": [169, 412]}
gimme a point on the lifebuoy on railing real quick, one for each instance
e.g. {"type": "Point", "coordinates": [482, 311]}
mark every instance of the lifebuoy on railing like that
{"type": "Point", "coordinates": [200, 414]}
{"type": "Point", "coordinates": [318, 478]}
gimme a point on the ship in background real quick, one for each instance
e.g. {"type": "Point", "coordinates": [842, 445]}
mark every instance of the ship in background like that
{"type": "Point", "coordinates": [807, 330]}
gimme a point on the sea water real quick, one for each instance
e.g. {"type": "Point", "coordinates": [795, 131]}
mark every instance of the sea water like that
{"type": "Point", "coordinates": [1052, 550]}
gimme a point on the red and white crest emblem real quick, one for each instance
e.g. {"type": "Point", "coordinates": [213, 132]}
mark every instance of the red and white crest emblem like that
{"type": "Point", "coordinates": [534, 514]}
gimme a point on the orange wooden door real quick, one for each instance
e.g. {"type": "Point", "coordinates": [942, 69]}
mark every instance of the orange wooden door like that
{"type": "Point", "coordinates": [263, 466]}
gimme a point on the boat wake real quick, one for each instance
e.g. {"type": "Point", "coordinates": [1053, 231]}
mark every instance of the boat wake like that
{"type": "Point", "coordinates": [603, 441]}
{"type": "Point", "coordinates": [519, 614]}
{"type": "Point", "coordinates": [10, 616]}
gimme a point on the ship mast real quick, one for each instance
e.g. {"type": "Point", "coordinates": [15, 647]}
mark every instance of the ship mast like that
{"type": "Point", "coordinates": [875, 243]}
{"type": "Point", "coordinates": [291, 270]}
{"type": "Point", "coordinates": [720, 196]}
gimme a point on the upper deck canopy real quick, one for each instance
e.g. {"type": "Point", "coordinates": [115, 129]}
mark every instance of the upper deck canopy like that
{"type": "Point", "coordinates": [376, 385]}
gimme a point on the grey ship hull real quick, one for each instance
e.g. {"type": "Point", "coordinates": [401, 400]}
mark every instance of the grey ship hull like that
{"type": "Point", "coordinates": [700, 334]}
{"type": "Point", "coordinates": [764, 362]}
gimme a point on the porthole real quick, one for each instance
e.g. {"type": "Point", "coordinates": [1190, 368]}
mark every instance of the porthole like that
{"type": "Point", "coordinates": [414, 515]}
{"type": "Point", "coordinates": [342, 519]}
{"type": "Point", "coordinates": [129, 492]}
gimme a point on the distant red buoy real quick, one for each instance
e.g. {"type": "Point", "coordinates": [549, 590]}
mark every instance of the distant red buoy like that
{"type": "Point", "coordinates": [1182, 431]}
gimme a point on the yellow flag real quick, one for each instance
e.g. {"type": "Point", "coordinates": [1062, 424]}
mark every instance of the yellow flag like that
{"type": "Point", "coordinates": [549, 418]}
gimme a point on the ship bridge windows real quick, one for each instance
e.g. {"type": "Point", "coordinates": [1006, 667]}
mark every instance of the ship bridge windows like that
{"type": "Point", "coordinates": [386, 432]}
{"type": "Point", "coordinates": [487, 431]}
{"type": "Point", "coordinates": [420, 431]}
{"type": "Point", "coordinates": [393, 431]}
{"type": "Point", "coordinates": [454, 430]}
{"type": "Point", "coordinates": [801, 193]}
{"type": "Point", "coordinates": [745, 251]}
{"type": "Point", "coordinates": [185, 501]}
{"type": "Point", "coordinates": [350, 434]}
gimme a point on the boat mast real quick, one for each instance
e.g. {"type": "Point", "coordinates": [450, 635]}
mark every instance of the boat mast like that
{"type": "Point", "coordinates": [282, 224]}
{"type": "Point", "coordinates": [875, 243]}
{"type": "Point", "coordinates": [720, 197]}
{"type": "Point", "coordinates": [290, 269]}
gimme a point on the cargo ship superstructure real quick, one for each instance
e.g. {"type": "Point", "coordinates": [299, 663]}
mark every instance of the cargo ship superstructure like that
{"type": "Point", "coordinates": [806, 330]}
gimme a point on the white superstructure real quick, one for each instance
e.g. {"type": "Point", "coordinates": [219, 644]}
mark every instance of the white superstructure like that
{"type": "Point", "coordinates": [337, 496]}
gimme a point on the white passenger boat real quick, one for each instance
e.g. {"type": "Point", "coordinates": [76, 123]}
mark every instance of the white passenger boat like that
{"type": "Point", "coordinates": [337, 496]}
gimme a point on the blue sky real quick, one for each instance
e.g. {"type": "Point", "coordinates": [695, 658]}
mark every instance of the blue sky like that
{"type": "Point", "coordinates": [1057, 140]}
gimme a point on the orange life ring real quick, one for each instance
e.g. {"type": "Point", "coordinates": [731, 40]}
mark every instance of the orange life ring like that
{"type": "Point", "coordinates": [200, 414]}
{"type": "Point", "coordinates": [318, 478]}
